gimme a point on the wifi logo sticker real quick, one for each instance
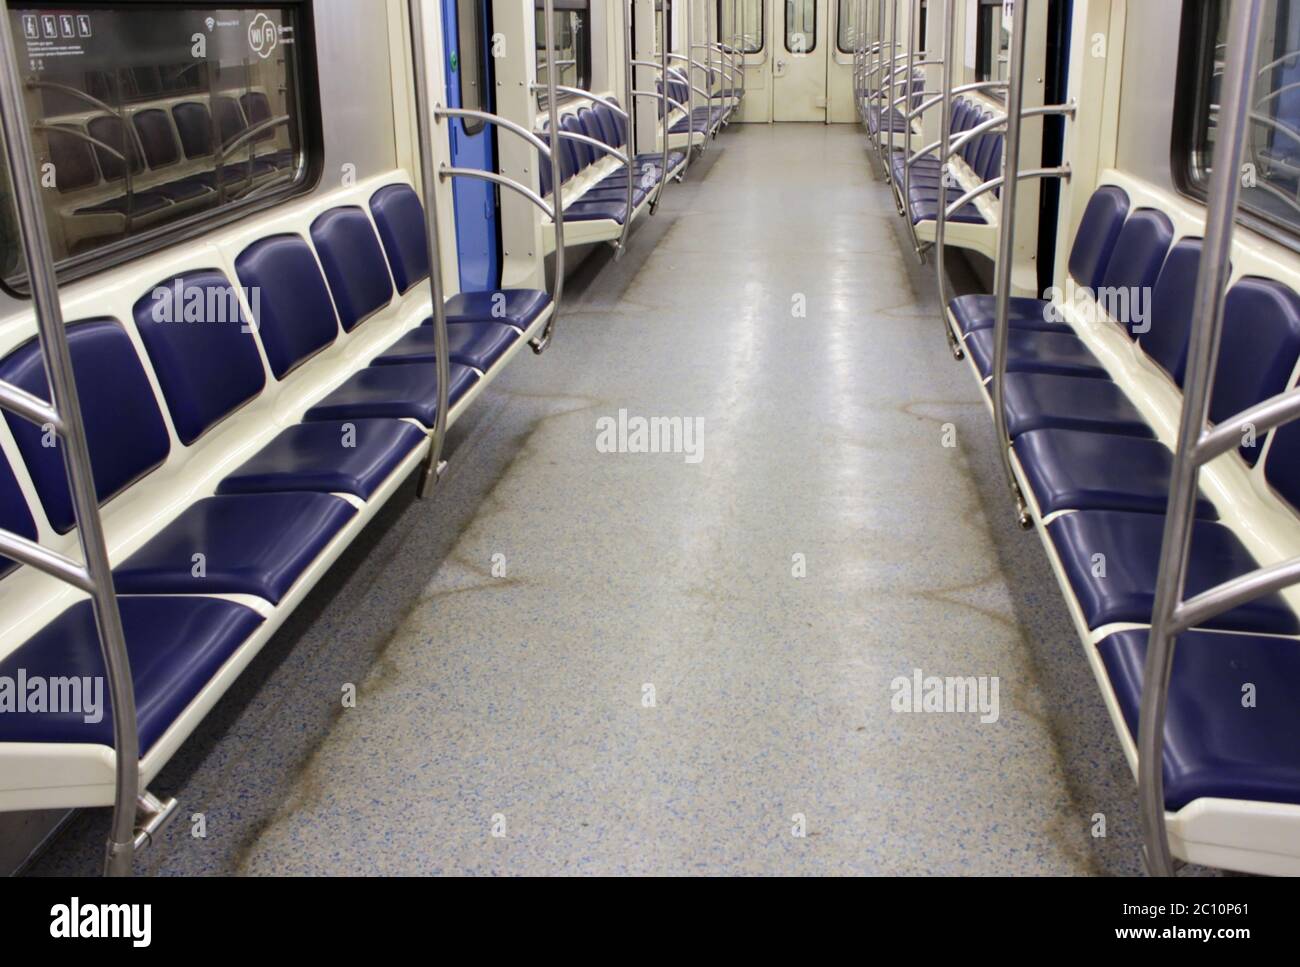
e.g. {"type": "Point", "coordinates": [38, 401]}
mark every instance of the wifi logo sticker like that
{"type": "Point", "coordinates": [263, 35]}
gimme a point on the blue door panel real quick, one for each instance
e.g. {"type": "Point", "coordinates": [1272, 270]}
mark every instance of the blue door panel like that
{"type": "Point", "coordinates": [477, 230]}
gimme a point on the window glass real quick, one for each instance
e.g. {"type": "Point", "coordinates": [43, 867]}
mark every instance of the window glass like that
{"type": "Point", "coordinates": [742, 24]}
{"type": "Point", "coordinates": [992, 45]}
{"type": "Point", "coordinates": [1271, 178]}
{"type": "Point", "coordinates": [800, 26]}
{"type": "Point", "coordinates": [470, 62]}
{"type": "Point", "coordinates": [847, 36]}
{"type": "Point", "coordinates": [145, 118]}
{"type": "Point", "coordinates": [572, 45]}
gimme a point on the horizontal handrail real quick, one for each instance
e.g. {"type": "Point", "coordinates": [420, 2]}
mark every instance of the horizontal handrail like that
{"type": "Point", "coordinates": [511, 126]}
{"type": "Point", "coordinates": [1060, 171]}
{"type": "Point", "coordinates": [587, 95]}
{"type": "Point", "coordinates": [1241, 590]}
{"type": "Point", "coordinates": [25, 551]}
{"type": "Point", "coordinates": [595, 143]}
{"type": "Point", "coordinates": [30, 407]}
{"type": "Point", "coordinates": [1262, 417]}
{"type": "Point", "coordinates": [446, 172]}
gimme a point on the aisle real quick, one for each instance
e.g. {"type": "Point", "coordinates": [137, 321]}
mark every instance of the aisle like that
{"type": "Point", "coordinates": [630, 662]}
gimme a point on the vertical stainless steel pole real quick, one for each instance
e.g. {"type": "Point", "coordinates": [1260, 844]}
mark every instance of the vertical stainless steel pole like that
{"type": "Point", "coordinates": [557, 203]}
{"type": "Point", "coordinates": [429, 184]}
{"type": "Point", "coordinates": [1225, 182]}
{"type": "Point", "coordinates": [629, 147]}
{"type": "Point", "coordinates": [912, 7]}
{"type": "Point", "coordinates": [888, 117]}
{"type": "Point", "coordinates": [1006, 246]}
{"type": "Point", "coordinates": [690, 90]}
{"type": "Point", "coordinates": [76, 455]}
{"type": "Point", "coordinates": [945, 144]}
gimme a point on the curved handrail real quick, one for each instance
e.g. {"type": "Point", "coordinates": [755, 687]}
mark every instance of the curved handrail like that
{"type": "Point", "coordinates": [496, 119]}
{"type": "Point", "coordinates": [25, 551]}
{"type": "Point", "coordinates": [1059, 171]}
{"type": "Point", "coordinates": [596, 143]}
{"type": "Point", "coordinates": [249, 134]}
{"type": "Point", "coordinates": [578, 92]}
{"type": "Point", "coordinates": [446, 172]}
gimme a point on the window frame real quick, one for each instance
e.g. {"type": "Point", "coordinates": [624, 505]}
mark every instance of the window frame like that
{"type": "Point", "coordinates": [789, 9]}
{"type": "Point", "coordinates": [1188, 165]}
{"type": "Point", "coordinates": [479, 35]}
{"type": "Point", "coordinates": [582, 55]}
{"type": "Point", "coordinates": [840, 21]}
{"type": "Point", "coordinates": [304, 75]}
{"type": "Point", "coordinates": [985, 58]}
{"type": "Point", "coordinates": [762, 26]}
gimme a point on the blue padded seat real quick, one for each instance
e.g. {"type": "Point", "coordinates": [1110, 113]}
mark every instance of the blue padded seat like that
{"type": "Point", "coordinates": [1036, 401]}
{"type": "Point", "coordinates": [923, 208]}
{"type": "Point", "coordinates": [202, 349]}
{"type": "Point", "coordinates": [598, 209]}
{"type": "Point", "coordinates": [1258, 351]}
{"type": "Point", "coordinates": [1136, 261]}
{"type": "Point", "coordinates": [1075, 470]}
{"type": "Point", "coordinates": [477, 344]}
{"type": "Point", "coordinates": [1090, 255]}
{"type": "Point", "coordinates": [176, 646]}
{"type": "Point", "coordinates": [976, 311]}
{"type": "Point", "coordinates": [257, 544]}
{"type": "Point", "coordinates": [353, 457]}
{"type": "Point", "coordinates": [1214, 746]}
{"type": "Point", "coordinates": [292, 309]}
{"type": "Point", "coordinates": [399, 217]}
{"type": "Point", "coordinates": [15, 515]}
{"type": "Point", "coordinates": [1098, 231]}
{"type": "Point", "coordinates": [125, 432]}
{"type": "Point", "coordinates": [397, 392]}
{"type": "Point", "coordinates": [354, 264]}
{"type": "Point", "coordinates": [1172, 304]}
{"type": "Point", "coordinates": [1062, 353]}
{"type": "Point", "coordinates": [1130, 545]}
{"type": "Point", "coordinates": [520, 308]}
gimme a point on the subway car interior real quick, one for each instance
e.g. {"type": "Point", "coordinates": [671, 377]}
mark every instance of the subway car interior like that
{"type": "Point", "coordinates": [650, 438]}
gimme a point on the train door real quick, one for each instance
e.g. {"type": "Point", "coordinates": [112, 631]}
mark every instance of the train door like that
{"type": "Point", "coordinates": [466, 26]}
{"type": "Point", "coordinates": [799, 60]}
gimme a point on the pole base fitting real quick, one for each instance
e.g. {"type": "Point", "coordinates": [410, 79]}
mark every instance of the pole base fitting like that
{"type": "Point", "coordinates": [429, 479]}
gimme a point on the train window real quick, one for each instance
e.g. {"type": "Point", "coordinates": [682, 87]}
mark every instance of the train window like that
{"type": "Point", "coordinates": [471, 64]}
{"type": "Point", "coordinates": [572, 45]}
{"type": "Point", "coordinates": [1271, 179]}
{"type": "Point", "coordinates": [742, 24]}
{"type": "Point", "coordinates": [151, 122]}
{"type": "Point", "coordinates": [847, 15]}
{"type": "Point", "coordinates": [800, 26]}
{"type": "Point", "coordinates": [992, 44]}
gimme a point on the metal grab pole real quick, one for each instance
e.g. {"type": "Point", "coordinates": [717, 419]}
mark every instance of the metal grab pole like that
{"type": "Point", "coordinates": [35, 236]}
{"type": "Point", "coordinates": [629, 147]}
{"type": "Point", "coordinates": [888, 111]}
{"type": "Point", "coordinates": [945, 136]}
{"type": "Point", "coordinates": [1006, 248]}
{"type": "Point", "coordinates": [912, 15]}
{"type": "Point", "coordinates": [1225, 183]}
{"type": "Point", "coordinates": [557, 200]}
{"type": "Point", "coordinates": [424, 115]}
{"type": "Point", "coordinates": [664, 22]}
{"type": "Point", "coordinates": [690, 95]}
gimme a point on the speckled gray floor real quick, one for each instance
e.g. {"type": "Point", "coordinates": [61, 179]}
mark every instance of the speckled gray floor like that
{"type": "Point", "coordinates": [516, 704]}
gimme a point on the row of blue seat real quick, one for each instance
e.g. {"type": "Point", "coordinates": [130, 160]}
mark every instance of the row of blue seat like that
{"type": "Point", "coordinates": [894, 119]}
{"type": "Point", "coordinates": [982, 153]}
{"type": "Point", "coordinates": [273, 516]}
{"type": "Point", "coordinates": [607, 198]}
{"type": "Point", "coordinates": [1100, 477]}
{"type": "Point", "coordinates": [705, 119]}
